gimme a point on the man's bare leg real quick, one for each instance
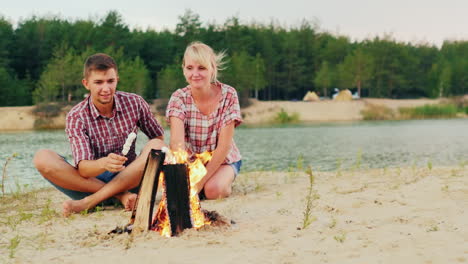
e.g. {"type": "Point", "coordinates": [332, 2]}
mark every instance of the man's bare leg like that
{"type": "Point", "coordinates": [128, 178]}
{"type": "Point", "coordinates": [57, 170]}
{"type": "Point", "coordinates": [127, 199]}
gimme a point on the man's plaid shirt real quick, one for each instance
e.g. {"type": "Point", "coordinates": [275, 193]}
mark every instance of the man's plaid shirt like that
{"type": "Point", "coordinates": [93, 136]}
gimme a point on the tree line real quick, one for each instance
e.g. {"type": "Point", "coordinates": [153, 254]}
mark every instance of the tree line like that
{"type": "Point", "coordinates": [41, 60]}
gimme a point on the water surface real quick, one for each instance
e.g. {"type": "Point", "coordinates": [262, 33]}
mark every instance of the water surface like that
{"type": "Point", "coordinates": [323, 146]}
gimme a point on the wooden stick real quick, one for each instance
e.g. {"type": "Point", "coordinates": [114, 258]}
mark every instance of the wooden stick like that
{"type": "Point", "coordinates": [143, 210]}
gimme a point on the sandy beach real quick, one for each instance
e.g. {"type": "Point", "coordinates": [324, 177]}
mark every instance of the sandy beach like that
{"type": "Point", "coordinates": [399, 215]}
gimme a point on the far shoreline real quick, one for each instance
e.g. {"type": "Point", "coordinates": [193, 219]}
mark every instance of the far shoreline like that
{"type": "Point", "coordinates": [258, 114]}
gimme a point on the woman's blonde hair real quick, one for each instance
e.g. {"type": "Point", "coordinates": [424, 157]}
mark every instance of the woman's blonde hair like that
{"type": "Point", "coordinates": [205, 56]}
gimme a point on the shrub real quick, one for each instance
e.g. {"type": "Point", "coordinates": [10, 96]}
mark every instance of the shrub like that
{"type": "Point", "coordinates": [47, 110]}
{"type": "Point", "coordinates": [377, 112]}
{"type": "Point", "coordinates": [284, 117]}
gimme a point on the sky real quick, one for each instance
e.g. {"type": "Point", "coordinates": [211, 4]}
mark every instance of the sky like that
{"type": "Point", "coordinates": [415, 21]}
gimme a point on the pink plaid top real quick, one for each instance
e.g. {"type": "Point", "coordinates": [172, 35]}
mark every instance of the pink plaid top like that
{"type": "Point", "coordinates": [93, 136]}
{"type": "Point", "coordinates": [202, 131]}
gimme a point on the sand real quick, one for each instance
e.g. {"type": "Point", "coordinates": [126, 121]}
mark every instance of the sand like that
{"type": "Point", "coordinates": [407, 215]}
{"type": "Point", "coordinates": [323, 111]}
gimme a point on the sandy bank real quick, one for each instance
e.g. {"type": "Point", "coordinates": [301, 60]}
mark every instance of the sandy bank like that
{"type": "Point", "coordinates": [323, 111]}
{"type": "Point", "coordinates": [371, 216]}
{"type": "Point", "coordinates": [22, 118]}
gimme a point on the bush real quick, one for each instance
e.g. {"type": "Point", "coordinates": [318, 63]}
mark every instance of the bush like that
{"type": "Point", "coordinates": [377, 112]}
{"type": "Point", "coordinates": [48, 110]}
{"type": "Point", "coordinates": [283, 117]}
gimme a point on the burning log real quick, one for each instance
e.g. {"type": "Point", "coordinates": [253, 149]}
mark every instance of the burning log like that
{"type": "Point", "coordinates": [143, 210]}
{"type": "Point", "coordinates": [174, 214]}
{"type": "Point", "coordinates": [179, 207]}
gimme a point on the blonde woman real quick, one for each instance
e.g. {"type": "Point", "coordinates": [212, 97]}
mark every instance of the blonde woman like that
{"type": "Point", "coordinates": [202, 117]}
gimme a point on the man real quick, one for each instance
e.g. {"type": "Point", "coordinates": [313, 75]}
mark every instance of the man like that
{"type": "Point", "coordinates": [97, 129]}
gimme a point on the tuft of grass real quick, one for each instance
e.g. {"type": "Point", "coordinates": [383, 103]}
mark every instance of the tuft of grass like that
{"type": "Point", "coordinates": [42, 239]}
{"type": "Point", "coordinates": [14, 243]}
{"type": "Point", "coordinates": [84, 212]}
{"type": "Point", "coordinates": [340, 237]}
{"type": "Point", "coordinates": [300, 162]}
{"type": "Point", "coordinates": [429, 111]}
{"type": "Point", "coordinates": [4, 171]}
{"type": "Point", "coordinates": [311, 196]}
{"type": "Point", "coordinates": [445, 188]}
{"type": "Point", "coordinates": [429, 164]}
{"type": "Point", "coordinates": [358, 159]}
{"type": "Point", "coordinates": [283, 117]}
{"type": "Point", "coordinates": [339, 163]}
{"type": "Point", "coordinates": [47, 213]}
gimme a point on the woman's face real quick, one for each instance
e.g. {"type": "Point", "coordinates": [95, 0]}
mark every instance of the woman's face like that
{"type": "Point", "coordinates": [197, 75]}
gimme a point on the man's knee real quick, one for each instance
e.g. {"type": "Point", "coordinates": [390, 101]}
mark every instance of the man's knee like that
{"type": "Point", "coordinates": [43, 160]}
{"type": "Point", "coordinates": [155, 144]}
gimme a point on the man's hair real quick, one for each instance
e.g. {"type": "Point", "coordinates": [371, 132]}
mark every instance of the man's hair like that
{"type": "Point", "coordinates": [98, 62]}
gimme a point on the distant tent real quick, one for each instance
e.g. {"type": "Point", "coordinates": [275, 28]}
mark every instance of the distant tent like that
{"type": "Point", "coordinates": [311, 97]}
{"type": "Point", "coordinates": [344, 95]}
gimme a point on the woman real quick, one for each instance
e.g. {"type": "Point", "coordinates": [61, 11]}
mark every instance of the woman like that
{"type": "Point", "coordinates": [202, 117]}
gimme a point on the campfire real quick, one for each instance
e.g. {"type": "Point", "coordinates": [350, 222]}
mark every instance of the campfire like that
{"type": "Point", "coordinates": [179, 207]}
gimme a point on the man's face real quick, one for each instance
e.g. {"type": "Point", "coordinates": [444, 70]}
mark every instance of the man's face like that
{"type": "Point", "coordinates": [102, 85]}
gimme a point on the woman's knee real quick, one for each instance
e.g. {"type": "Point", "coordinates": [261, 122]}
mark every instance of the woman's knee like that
{"type": "Point", "coordinates": [216, 190]}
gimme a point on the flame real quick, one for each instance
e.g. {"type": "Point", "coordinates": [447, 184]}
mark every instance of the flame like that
{"type": "Point", "coordinates": [204, 157]}
{"type": "Point", "coordinates": [181, 156]}
{"type": "Point", "coordinates": [197, 171]}
{"type": "Point", "coordinates": [163, 225]}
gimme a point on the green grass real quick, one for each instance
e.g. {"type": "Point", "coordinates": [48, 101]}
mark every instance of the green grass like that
{"type": "Point", "coordinates": [429, 111]}
{"type": "Point", "coordinates": [380, 112]}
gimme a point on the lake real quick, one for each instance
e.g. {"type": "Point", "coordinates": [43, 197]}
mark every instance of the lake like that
{"type": "Point", "coordinates": [325, 147]}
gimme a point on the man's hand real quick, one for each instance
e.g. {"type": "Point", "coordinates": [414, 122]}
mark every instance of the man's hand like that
{"type": "Point", "coordinates": [113, 162]}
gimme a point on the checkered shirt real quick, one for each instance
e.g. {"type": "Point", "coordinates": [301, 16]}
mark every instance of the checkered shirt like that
{"type": "Point", "coordinates": [202, 131]}
{"type": "Point", "coordinates": [93, 136]}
